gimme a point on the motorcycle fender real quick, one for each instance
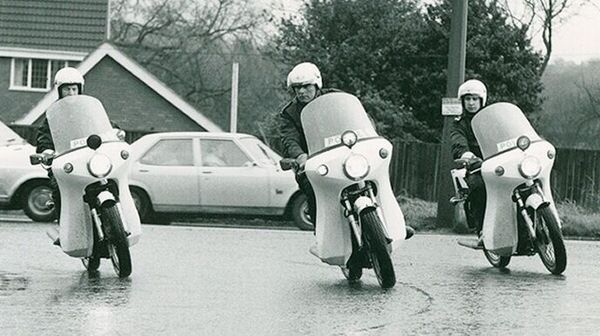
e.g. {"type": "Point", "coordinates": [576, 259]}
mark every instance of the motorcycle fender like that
{"type": "Point", "coordinates": [333, 235]}
{"type": "Point", "coordinates": [105, 196]}
{"type": "Point", "coordinates": [534, 201]}
{"type": "Point", "coordinates": [362, 203]}
{"type": "Point", "coordinates": [500, 223]}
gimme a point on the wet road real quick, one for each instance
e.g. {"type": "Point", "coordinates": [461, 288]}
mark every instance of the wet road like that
{"type": "Point", "coordinates": [213, 281]}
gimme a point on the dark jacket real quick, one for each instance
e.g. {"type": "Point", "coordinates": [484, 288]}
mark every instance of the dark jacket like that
{"type": "Point", "coordinates": [462, 138]}
{"type": "Point", "coordinates": [292, 133]}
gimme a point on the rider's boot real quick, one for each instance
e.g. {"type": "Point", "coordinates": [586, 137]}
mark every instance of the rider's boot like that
{"type": "Point", "coordinates": [54, 235]}
{"type": "Point", "coordinates": [409, 232]}
{"type": "Point", "coordinates": [479, 240]}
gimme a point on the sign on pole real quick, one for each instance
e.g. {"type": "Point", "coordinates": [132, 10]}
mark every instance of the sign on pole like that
{"type": "Point", "coordinates": [451, 107]}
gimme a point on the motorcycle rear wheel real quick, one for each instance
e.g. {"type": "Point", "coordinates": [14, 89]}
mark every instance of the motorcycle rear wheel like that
{"type": "Point", "coordinates": [353, 273]}
{"type": "Point", "coordinates": [496, 260]}
{"type": "Point", "coordinates": [378, 250]}
{"type": "Point", "coordinates": [118, 245]}
{"type": "Point", "coordinates": [549, 241]}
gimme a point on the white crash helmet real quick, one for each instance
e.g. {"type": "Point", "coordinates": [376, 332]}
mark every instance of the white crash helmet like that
{"type": "Point", "coordinates": [69, 75]}
{"type": "Point", "coordinates": [474, 87]}
{"type": "Point", "coordinates": [305, 73]}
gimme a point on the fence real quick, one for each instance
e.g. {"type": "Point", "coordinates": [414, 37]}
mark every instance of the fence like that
{"type": "Point", "coordinates": [575, 175]}
{"type": "Point", "coordinates": [415, 172]}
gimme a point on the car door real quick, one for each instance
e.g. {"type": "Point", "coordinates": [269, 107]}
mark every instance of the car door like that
{"type": "Point", "coordinates": [167, 171]}
{"type": "Point", "coordinates": [233, 179]}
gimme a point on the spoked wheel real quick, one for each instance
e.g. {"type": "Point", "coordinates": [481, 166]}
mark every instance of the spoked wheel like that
{"type": "Point", "coordinates": [378, 251]}
{"type": "Point", "coordinates": [549, 241]}
{"type": "Point", "coordinates": [118, 245]}
{"type": "Point", "coordinates": [496, 260]}
{"type": "Point", "coordinates": [91, 264]}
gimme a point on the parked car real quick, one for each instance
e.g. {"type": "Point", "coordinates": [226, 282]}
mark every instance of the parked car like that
{"type": "Point", "coordinates": [22, 186]}
{"type": "Point", "coordinates": [212, 173]}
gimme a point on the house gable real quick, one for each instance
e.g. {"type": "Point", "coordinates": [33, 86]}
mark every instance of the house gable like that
{"type": "Point", "coordinates": [123, 85]}
{"type": "Point", "coordinates": [65, 25]}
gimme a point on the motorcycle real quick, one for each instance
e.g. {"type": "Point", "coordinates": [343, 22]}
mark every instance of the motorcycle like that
{"type": "Point", "coordinates": [98, 218]}
{"type": "Point", "coordinates": [358, 220]}
{"type": "Point", "coordinates": [520, 215]}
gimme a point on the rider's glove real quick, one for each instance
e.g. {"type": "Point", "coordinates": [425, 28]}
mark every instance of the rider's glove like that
{"type": "Point", "coordinates": [468, 156]}
{"type": "Point", "coordinates": [119, 133]}
{"type": "Point", "coordinates": [301, 160]}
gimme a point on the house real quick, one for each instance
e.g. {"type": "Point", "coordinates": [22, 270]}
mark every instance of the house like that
{"type": "Point", "coordinates": [38, 37]}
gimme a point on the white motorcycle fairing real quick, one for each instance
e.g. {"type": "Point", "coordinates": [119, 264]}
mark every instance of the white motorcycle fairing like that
{"type": "Point", "coordinates": [497, 128]}
{"type": "Point", "coordinates": [72, 120]}
{"type": "Point", "coordinates": [324, 120]}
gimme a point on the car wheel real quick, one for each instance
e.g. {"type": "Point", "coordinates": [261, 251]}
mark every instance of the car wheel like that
{"type": "Point", "coordinates": [299, 213]}
{"type": "Point", "coordinates": [34, 201]}
{"type": "Point", "coordinates": [144, 208]}
{"type": "Point", "coordinates": [142, 203]}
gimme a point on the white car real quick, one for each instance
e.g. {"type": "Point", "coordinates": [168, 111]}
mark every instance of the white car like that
{"type": "Point", "coordinates": [212, 173]}
{"type": "Point", "coordinates": [23, 186]}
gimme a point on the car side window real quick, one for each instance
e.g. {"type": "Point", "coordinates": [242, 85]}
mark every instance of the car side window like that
{"type": "Point", "coordinates": [222, 153]}
{"type": "Point", "coordinates": [170, 152]}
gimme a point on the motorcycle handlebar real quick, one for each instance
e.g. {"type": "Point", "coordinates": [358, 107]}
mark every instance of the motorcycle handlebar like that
{"type": "Point", "coordinates": [287, 164]}
{"type": "Point", "coordinates": [41, 158]}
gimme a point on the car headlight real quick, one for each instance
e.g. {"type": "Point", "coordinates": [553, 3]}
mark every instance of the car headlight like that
{"type": "Point", "coordinates": [99, 165]}
{"type": "Point", "coordinates": [356, 167]}
{"type": "Point", "coordinates": [530, 167]}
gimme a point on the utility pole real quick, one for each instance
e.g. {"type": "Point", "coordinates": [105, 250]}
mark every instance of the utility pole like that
{"type": "Point", "coordinates": [456, 75]}
{"type": "Point", "coordinates": [235, 69]}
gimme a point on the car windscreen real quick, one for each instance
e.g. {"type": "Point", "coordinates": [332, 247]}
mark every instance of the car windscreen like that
{"type": "Point", "coordinates": [260, 151]}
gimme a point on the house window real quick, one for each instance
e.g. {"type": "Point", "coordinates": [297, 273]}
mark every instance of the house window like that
{"type": "Point", "coordinates": [34, 74]}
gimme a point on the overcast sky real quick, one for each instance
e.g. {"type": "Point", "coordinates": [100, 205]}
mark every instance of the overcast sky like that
{"type": "Point", "coordinates": [577, 39]}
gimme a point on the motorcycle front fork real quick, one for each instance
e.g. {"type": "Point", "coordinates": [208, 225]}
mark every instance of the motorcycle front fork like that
{"type": "Point", "coordinates": [530, 225]}
{"type": "Point", "coordinates": [353, 216]}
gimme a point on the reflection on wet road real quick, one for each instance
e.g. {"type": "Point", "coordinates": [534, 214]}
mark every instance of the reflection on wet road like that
{"type": "Point", "coordinates": [205, 281]}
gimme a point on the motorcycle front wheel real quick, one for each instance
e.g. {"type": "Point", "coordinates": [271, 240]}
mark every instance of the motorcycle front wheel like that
{"type": "Point", "coordinates": [118, 245]}
{"type": "Point", "coordinates": [378, 251]}
{"type": "Point", "coordinates": [549, 241]}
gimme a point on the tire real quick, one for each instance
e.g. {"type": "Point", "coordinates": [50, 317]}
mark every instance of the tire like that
{"type": "Point", "coordinates": [118, 245]}
{"type": "Point", "coordinates": [377, 247]}
{"type": "Point", "coordinates": [91, 264]}
{"type": "Point", "coordinates": [352, 273]}
{"type": "Point", "coordinates": [144, 208]}
{"type": "Point", "coordinates": [299, 213]}
{"type": "Point", "coordinates": [496, 260]}
{"type": "Point", "coordinates": [549, 241]}
{"type": "Point", "coordinates": [34, 199]}
{"type": "Point", "coordinates": [460, 219]}
{"type": "Point", "coordinates": [142, 203]}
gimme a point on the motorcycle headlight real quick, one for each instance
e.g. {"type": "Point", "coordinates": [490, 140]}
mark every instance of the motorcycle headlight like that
{"type": "Point", "coordinates": [530, 167]}
{"type": "Point", "coordinates": [356, 167]}
{"type": "Point", "coordinates": [99, 165]}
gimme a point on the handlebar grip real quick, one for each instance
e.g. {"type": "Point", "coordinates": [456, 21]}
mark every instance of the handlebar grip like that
{"type": "Point", "coordinates": [35, 159]}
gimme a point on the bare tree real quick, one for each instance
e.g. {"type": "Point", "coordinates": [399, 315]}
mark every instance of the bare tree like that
{"type": "Point", "coordinates": [543, 17]}
{"type": "Point", "coordinates": [188, 44]}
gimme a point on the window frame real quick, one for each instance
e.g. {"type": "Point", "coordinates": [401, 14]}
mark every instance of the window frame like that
{"type": "Point", "coordinates": [29, 67]}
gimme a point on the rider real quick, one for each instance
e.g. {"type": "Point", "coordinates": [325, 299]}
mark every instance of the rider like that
{"type": "Point", "coordinates": [69, 82]}
{"type": "Point", "coordinates": [306, 83]}
{"type": "Point", "coordinates": [473, 96]}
